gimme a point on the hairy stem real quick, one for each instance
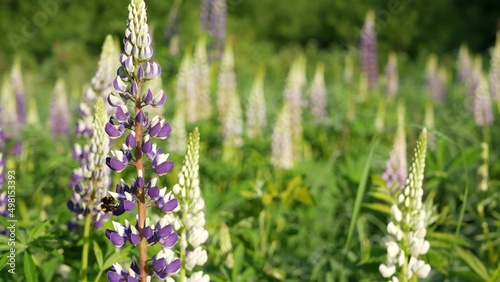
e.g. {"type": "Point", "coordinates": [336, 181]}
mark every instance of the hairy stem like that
{"type": "Point", "coordinates": [143, 245]}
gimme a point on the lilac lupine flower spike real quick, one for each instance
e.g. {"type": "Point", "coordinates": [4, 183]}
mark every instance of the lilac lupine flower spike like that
{"type": "Point", "coordinates": [132, 121]}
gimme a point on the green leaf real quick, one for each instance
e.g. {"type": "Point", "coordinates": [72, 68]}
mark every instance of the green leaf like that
{"type": "Point", "coordinates": [474, 263]}
{"type": "Point", "coordinates": [37, 230]}
{"type": "Point", "coordinates": [359, 197]}
{"type": "Point", "coordinates": [239, 259]}
{"type": "Point", "coordinates": [3, 260]}
{"type": "Point", "coordinates": [29, 267]}
{"type": "Point", "coordinates": [378, 207]}
{"type": "Point", "coordinates": [98, 254]}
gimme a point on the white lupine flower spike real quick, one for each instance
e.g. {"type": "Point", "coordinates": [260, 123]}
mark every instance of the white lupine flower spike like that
{"type": "Point", "coordinates": [189, 219]}
{"type": "Point", "coordinates": [407, 229]}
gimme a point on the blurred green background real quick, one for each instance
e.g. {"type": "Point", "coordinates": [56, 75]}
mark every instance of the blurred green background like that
{"type": "Point", "coordinates": [70, 30]}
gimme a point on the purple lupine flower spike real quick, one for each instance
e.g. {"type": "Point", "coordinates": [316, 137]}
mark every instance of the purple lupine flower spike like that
{"type": "Point", "coordinates": [91, 180]}
{"type": "Point", "coordinates": [206, 5]}
{"type": "Point", "coordinates": [3, 191]}
{"type": "Point", "coordinates": [59, 114]}
{"type": "Point", "coordinates": [132, 99]}
{"type": "Point", "coordinates": [218, 15]}
{"type": "Point", "coordinates": [368, 49]}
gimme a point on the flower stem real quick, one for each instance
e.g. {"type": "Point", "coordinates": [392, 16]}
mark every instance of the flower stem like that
{"type": "Point", "coordinates": [141, 209]}
{"type": "Point", "coordinates": [86, 243]}
{"type": "Point", "coordinates": [182, 273]}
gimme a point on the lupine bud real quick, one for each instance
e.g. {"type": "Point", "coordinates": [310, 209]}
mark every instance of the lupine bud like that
{"type": "Point", "coordinates": [226, 247]}
{"type": "Point", "coordinates": [406, 239]}
{"type": "Point", "coordinates": [482, 171]}
{"type": "Point", "coordinates": [256, 110]}
{"type": "Point", "coordinates": [368, 50]}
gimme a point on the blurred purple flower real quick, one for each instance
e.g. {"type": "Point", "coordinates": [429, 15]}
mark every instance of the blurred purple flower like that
{"type": "Point", "coordinates": [368, 50]}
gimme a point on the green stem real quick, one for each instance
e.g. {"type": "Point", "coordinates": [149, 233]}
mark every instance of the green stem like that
{"type": "Point", "coordinates": [182, 273]}
{"type": "Point", "coordinates": [86, 244]}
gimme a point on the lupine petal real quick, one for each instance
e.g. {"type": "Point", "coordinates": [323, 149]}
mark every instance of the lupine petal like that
{"type": "Point", "coordinates": [119, 85]}
{"type": "Point", "coordinates": [164, 167]}
{"type": "Point", "coordinates": [159, 264]}
{"type": "Point", "coordinates": [115, 164]}
{"type": "Point", "coordinates": [112, 131]}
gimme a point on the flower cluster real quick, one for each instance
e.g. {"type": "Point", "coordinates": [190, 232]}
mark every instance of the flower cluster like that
{"type": "Point", "coordinates": [282, 147]}
{"type": "Point", "coordinates": [185, 95]}
{"type": "Point", "coordinates": [16, 80]}
{"type": "Point", "coordinates": [10, 121]}
{"type": "Point", "coordinates": [189, 220]}
{"type": "Point", "coordinates": [59, 114]}
{"type": "Point", "coordinates": [101, 85]}
{"type": "Point", "coordinates": [406, 241]}
{"type": "Point", "coordinates": [3, 195]}
{"type": "Point", "coordinates": [256, 110]}
{"type": "Point", "coordinates": [396, 168]}
{"type": "Point", "coordinates": [483, 111]}
{"type": "Point", "coordinates": [368, 50]}
{"type": "Point", "coordinates": [226, 84]}
{"type": "Point", "coordinates": [464, 62]}
{"type": "Point", "coordinates": [201, 77]}
{"type": "Point", "coordinates": [435, 80]}
{"type": "Point", "coordinates": [318, 95]}
{"type": "Point", "coordinates": [130, 119]}
{"type": "Point", "coordinates": [91, 181]}
{"type": "Point", "coordinates": [392, 76]}
{"type": "Point", "coordinates": [494, 75]}
{"type": "Point", "coordinates": [294, 101]}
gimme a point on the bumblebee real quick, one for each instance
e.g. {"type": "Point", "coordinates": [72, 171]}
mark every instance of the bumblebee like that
{"type": "Point", "coordinates": [108, 204]}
